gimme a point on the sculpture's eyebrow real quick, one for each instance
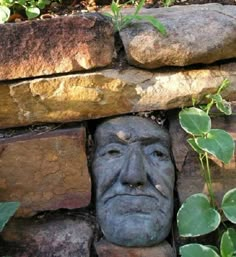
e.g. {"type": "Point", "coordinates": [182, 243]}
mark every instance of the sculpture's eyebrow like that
{"type": "Point", "coordinates": [149, 140]}
{"type": "Point", "coordinates": [145, 140]}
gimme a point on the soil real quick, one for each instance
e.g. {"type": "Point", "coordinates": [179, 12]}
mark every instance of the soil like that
{"type": "Point", "coordinates": [67, 7]}
{"type": "Point", "coordinates": [94, 5]}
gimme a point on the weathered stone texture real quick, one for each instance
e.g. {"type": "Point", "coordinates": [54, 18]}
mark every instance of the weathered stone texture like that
{"type": "Point", "coordinates": [189, 180]}
{"type": "Point", "coordinates": [47, 171]}
{"type": "Point", "coordinates": [195, 34]}
{"type": "Point", "coordinates": [107, 249]}
{"type": "Point", "coordinates": [58, 45]}
{"type": "Point", "coordinates": [108, 92]}
{"type": "Point", "coordinates": [63, 236]}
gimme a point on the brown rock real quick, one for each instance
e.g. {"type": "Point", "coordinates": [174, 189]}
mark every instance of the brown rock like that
{"type": "Point", "coordinates": [61, 236]}
{"type": "Point", "coordinates": [189, 179]}
{"type": "Point", "coordinates": [58, 45]}
{"type": "Point", "coordinates": [195, 34]}
{"type": "Point", "coordinates": [107, 249]}
{"type": "Point", "coordinates": [107, 92]}
{"type": "Point", "coordinates": [46, 171]}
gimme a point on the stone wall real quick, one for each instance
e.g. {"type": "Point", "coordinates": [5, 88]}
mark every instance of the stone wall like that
{"type": "Point", "coordinates": [59, 77]}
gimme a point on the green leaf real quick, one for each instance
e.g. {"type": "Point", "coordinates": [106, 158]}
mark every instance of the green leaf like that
{"type": "Point", "coordinates": [221, 104]}
{"type": "Point", "coordinates": [196, 217]}
{"type": "Point", "coordinates": [228, 243]}
{"type": "Point", "coordinates": [195, 147]}
{"type": "Point", "coordinates": [6, 211]}
{"type": "Point", "coordinates": [9, 2]}
{"type": "Point", "coordinates": [42, 4]}
{"type": "Point", "coordinates": [194, 121]}
{"type": "Point", "coordinates": [223, 86]}
{"type": "Point", "coordinates": [115, 8]}
{"type": "Point", "coordinates": [139, 7]}
{"type": "Point", "coordinates": [215, 97]}
{"type": "Point", "coordinates": [22, 2]}
{"type": "Point", "coordinates": [213, 247]}
{"type": "Point", "coordinates": [32, 12]}
{"type": "Point", "coordinates": [218, 143]}
{"type": "Point", "coordinates": [167, 3]}
{"type": "Point", "coordinates": [197, 250]}
{"type": "Point", "coordinates": [229, 205]}
{"type": "Point", "coordinates": [224, 107]}
{"type": "Point", "coordinates": [4, 14]}
{"type": "Point", "coordinates": [155, 23]}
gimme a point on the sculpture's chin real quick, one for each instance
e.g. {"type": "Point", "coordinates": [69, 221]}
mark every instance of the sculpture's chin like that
{"type": "Point", "coordinates": [135, 229]}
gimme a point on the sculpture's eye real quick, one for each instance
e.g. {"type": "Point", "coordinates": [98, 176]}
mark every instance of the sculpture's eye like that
{"type": "Point", "coordinates": [158, 154]}
{"type": "Point", "coordinates": [113, 152]}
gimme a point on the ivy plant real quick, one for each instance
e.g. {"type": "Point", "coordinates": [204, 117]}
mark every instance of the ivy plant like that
{"type": "Point", "coordinates": [31, 7]}
{"type": "Point", "coordinates": [121, 20]}
{"type": "Point", "coordinates": [199, 214]}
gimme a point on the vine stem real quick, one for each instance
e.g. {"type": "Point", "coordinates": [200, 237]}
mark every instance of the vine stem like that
{"type": "Point", "coordinates": [209, 181]}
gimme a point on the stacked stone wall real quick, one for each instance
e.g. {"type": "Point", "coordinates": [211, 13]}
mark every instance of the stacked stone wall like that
{"type": "Point", "coordinates": [59, 77]}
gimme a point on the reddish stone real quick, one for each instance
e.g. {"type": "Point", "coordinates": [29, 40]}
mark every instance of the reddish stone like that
{"type": "Point", "coordinates": [58, 45]}
{"type": "Point", "coordinates": [45, 171]}
{"type": "Point", "coordinates": [107, 249]}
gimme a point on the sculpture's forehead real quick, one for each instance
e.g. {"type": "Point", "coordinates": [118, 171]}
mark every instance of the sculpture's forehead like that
{"type": "Point", "coordinates": [129, 129]}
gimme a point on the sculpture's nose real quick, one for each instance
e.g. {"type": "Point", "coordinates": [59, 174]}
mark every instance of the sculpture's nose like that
{"type": "Point", "coordinates": [133, 173]}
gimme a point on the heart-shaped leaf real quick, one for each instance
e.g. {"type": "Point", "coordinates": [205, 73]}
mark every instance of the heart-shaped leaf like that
{"type": "Point", "coordinates": [4, 14]}
{"type": "Point", "coordinates": [224, 107]}
{"type": "Point", "coordinates": [228, 243]}
{"type": "Point", "coordinates": [195, 147]}
{"type": "Point", "coordinates": [197, 250]}
{"type": "Point", "coordinates": [194, 121]}
{"type": "Point", "coordinates": [196, 217]}
{"type": "Point", "coordinates": [229, 205]}
{"type": "Point", "coordinates": [218, 143]}
{"type": "Point", "coordinates": [221, 104]}
{"type": "Point", "coordinates": [6, 211]}
{"type": "Point", "coordinates": [32, 12]}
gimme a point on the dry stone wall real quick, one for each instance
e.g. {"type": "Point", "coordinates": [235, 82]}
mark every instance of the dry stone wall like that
{"type": "Point", "coordinates": [45, 121]}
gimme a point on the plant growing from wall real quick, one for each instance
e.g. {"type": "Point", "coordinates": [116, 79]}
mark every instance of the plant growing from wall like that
{"type": "Point", "coordinates": [31, 7]}
{"type": "Point", "coordinates": [167, 3]}
{"type": "Point", "coordinates": [200, 215]}
{"type": "Point", "coordinates": [121, 20]}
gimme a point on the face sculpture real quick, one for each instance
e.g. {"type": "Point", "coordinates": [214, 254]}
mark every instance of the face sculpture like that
{"type": "Point", "coordinates": [134, 177]}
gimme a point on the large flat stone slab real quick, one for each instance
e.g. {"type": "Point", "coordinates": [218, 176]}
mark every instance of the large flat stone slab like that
{"type": "Point", "coordinates": [189, 179]}
{"type": "Point", "coordinates": [58, 45]}
{"type": "Point", "coordinates": [195, 34]}
{"type": "Point", "coordinates": [107, 92]}
{"type": "Point", "coordinates": [45, 171]}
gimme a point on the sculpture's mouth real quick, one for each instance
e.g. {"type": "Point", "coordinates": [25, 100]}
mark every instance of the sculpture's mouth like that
{"type": "Point", "coordinates": [132, 197]}
{"type": "Point", "coordinates": [132, 204]}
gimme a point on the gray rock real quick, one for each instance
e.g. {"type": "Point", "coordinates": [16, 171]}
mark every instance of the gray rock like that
{"type": "Point", "coordinates": [62, 236]}
{"type": "Point", "coordinates": [195, 34]}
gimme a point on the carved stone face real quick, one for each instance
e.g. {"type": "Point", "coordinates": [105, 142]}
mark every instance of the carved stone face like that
{"type": "Point", "coordinates": [134, 177]}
